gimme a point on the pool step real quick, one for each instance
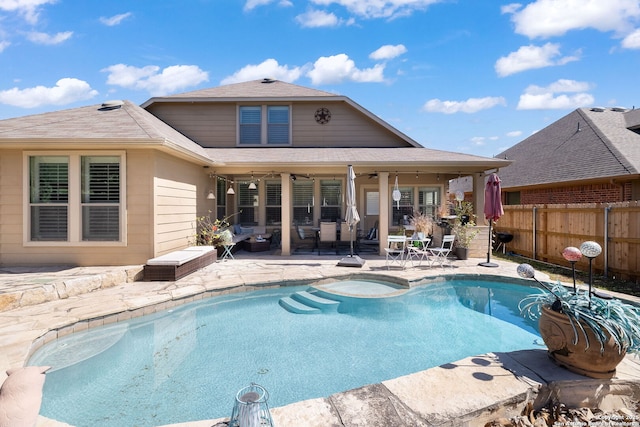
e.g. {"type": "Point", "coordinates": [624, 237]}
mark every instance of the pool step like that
{"type": "Point", "coordinates": [304, 302]}
{"type": "Point", "coordinates": [314, 300]}
{"type": "Point", "coordinates": [294, 306]}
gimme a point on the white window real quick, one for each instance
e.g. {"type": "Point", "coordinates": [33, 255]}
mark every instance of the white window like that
{"type": "Point", "coordinates": [331, 200]}
{"type": "Point", "coordinates": [303, 202]}
{"type": "Point", "coordinates": [274, 202]}
{"type": "Point", "coordinates": [75, 198]}
{"type": "Point", "coordinates": [248, 204]}
{"type": "Point", "coordinates": [264, 125]}
{"type": "Point", "coordinates": [429, 200]}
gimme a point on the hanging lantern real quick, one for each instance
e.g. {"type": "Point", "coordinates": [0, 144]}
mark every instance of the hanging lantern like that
{"type": "Point", "coordinates": [396, 194]}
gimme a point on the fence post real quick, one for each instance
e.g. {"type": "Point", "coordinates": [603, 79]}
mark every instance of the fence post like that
{"type": "Point", "coordinates": [535, 209]}
{"type": "Point", "coordinates": [606, 239]}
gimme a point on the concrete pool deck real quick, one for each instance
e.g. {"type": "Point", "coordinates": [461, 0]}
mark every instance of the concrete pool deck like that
{"type": "Point", "coordinates": [38, 305]}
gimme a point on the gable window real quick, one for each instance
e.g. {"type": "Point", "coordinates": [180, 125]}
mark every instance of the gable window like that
{"type": "Point", "coordinates": [75, 198]}
{"type": "Point", "coordinates": [264, 125]}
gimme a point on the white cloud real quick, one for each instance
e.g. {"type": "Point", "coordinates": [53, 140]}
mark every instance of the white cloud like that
{"type": "Point", "coordinates": [380, 8]}
{"type": "Point", "coordinates": [29, 9]}
{"type": "Point", "coordinates": [388, 52]}
{"type": "Point", "coordinates": [471, 105]}
{"type": "Point", "coordinates": [531, 57]}
{"type": "Point", "coordinates": [632, 41]}
{"type": "Point", "coordinates": [548, 18]}
{"type": "Point", "coordinates": [266, 69]}
{"type": "Point", "coordinates": [514, 133]}
{"type": "Point", "coordinates": [510, 8]}
{"type": "Point", "coordinates": [47, 39]}
{"type": "Point", "coordinates": [114, 20]}
{"type": "Point", "coordinates": [3, 45]}
{"type": "Point", "coordinates": [169, 80]}
{"type": "Point", "coordinates": [542, 98]}
{"type": "Point", "coordinates": [478, 140]}
{"type": "Point", "coordinates": [317, 18]}
{"type": "Point", "coordinates": [339, 68]}
{"type": "Point", "coordinates": [252, 4]}
{"type": "Point", "coordinates": [66, 91]}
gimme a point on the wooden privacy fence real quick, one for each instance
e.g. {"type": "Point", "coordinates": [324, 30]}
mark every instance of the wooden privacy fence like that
{"type": "Point", "coordinates": [541, 232]}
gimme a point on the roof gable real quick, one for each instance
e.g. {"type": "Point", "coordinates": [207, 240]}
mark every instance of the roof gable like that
{"type": "Point", "coordinates": [585, 144]}
{"type": "Point", "coordinates": [269, 90]}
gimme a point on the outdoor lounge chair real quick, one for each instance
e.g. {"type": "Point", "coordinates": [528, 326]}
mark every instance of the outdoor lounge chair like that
{"type": "Point", "coordinates": [396, 246]}
{"type": "Point", "coordinates": [440, 255]}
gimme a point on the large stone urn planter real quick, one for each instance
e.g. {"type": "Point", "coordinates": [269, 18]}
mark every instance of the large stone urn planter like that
{"type": "Point", "coordinates": [582, 358]}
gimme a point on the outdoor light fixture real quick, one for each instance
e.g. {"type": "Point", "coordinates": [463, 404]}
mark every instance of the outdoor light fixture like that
{"type": "Point", "coordinates": [211, 195]}
{"type": "Point", "coordinates": [293, 177]}
{"type": "Point", "coordinates": [230, 190]}
{"type": "Point", "coordinates": [252, 185]}
{"type": "Point", "coordinates": [572, 255]}
{"type": "Point", "coordinates": [590, 250]}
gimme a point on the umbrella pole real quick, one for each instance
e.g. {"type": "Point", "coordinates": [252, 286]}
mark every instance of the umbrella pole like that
{"type": "Point", "coordinates": [489, 263]}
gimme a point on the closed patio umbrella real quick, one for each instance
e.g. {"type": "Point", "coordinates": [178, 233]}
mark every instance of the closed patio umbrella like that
{"type": "Point", "coordinates": [492, 210]}
{"type": "Point", "coordinates": [352, 218]}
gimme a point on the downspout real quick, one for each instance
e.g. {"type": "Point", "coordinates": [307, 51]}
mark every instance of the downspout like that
{"type": "Point", "coordinates": [606, 240]}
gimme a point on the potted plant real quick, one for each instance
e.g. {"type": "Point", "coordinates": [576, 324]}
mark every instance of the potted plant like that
{"type": "Point", "coordinates": [214, 233]}
{"type": "Point", "coordinates": [464, 227]}
{"type": "Point", "coordinates": [423, 224]}
{"type": "Point", "coordinates": [586, 332]}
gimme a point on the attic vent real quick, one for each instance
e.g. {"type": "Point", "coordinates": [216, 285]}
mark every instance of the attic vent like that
{"type": "Point", "coordinates": [267, 80]}
{"type": "Point", "coordinates": [597, 109]}
{"type": "Point", "coordinates": [111, 105]}
{"type": "Point", "coordinates": [618, 109]}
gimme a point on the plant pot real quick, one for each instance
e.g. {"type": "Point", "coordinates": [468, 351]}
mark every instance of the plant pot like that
{"type": "Point", "coordinates": [462, 253]}
{"type": "Point", "coordinates": [558, 335]}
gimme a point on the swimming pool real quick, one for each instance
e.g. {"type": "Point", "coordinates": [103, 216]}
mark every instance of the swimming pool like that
{"type": "Point", "coordinates": [188, 363]}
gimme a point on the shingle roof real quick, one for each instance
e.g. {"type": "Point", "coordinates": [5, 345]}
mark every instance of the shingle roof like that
{"type": "Point", "coordinates": [123, 124]}
{"type": "Point", "coordinates": [418, 157]}
{"type": "Point", "coordinates": [255, 89]}
{"type": "Point", "coordinates": [588, 143]}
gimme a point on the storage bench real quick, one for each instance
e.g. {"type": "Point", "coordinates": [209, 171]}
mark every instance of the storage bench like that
{"type": "Point", "coordinates": [177, 264]}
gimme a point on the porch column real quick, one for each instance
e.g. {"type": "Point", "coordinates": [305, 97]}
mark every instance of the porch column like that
{"type": "Point", "coordinates": [478, 197]}
{"type": "Point", "coordinates": [285, 207]}
{"type": "Point", "coordinates": [383, 223]}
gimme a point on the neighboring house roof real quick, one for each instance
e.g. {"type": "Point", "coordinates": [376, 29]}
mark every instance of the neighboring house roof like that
{"type": "Point", "coordinates": [586, 144]}
{"type": "Point", "coordinates": [273, 91]}
{"type": "Point", "coordinates": [115, 122]}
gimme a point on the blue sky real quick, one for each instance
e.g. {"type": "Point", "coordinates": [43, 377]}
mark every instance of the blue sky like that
{"type": "Point", "coordinates": [471, 76]}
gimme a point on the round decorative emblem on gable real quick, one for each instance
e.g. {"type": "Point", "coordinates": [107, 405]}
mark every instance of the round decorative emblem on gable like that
{"type": "Point", "coordinates": [323, 115]}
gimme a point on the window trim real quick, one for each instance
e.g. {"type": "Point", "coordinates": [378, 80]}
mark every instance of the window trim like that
{"type": "Point", "coordinates": [74, 203]}
{"type": "Point", "coordinates": [264, 125]}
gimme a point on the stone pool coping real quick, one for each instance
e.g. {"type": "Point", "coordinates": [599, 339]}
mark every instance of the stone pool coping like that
{"type": "Point", "coordinates": [461, 392]}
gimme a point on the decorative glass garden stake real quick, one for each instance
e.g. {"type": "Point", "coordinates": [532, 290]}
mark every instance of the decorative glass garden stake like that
{"type": "Point", "coordinates": [251, 408]}
{"type": "Point", "coordinates": [573, 255]}
{"type": "Point", "coordinates": [590, 250]}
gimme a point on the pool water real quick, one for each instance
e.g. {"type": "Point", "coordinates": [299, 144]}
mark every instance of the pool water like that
{"type": "Point", "coordinates": [188, 363]}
